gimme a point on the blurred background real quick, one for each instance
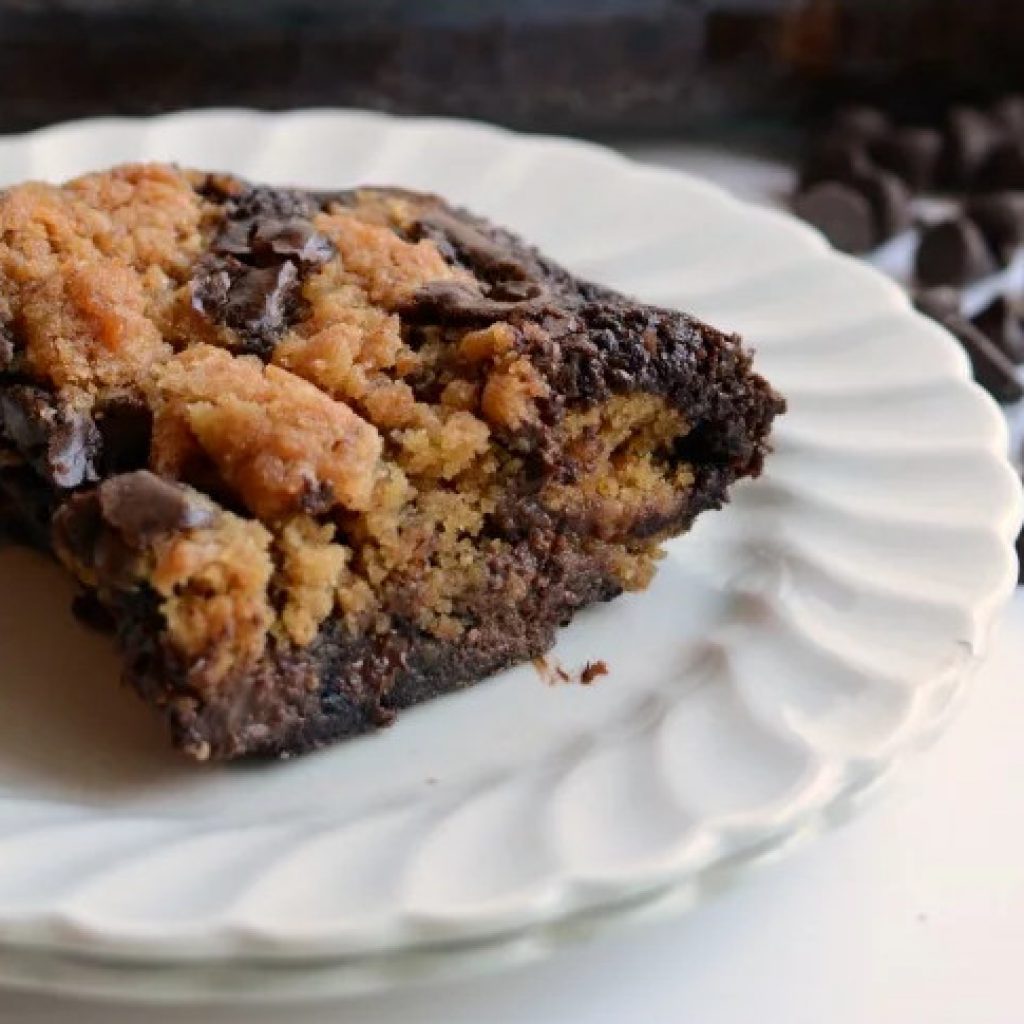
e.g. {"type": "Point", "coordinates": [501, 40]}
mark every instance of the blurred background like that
{"type": "Point", "coordinates": [608, 68]}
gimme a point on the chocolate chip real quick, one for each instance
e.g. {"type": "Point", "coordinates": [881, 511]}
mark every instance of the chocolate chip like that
{"type": "Point", "coordinates": [952, 252]}
{"type": "Point", "coordinates": [1003, 168]}
{"type": "Point", "coordinates": [860, 122]}
{"type": "Point", "coordinates": [992, 369]}
{"type": "Point", "coordinates": [969, 137]}
{"type": "Point", "coordinates": [59, 442]}
{"type": "Point", "coordinates": [912, 154]}
{"type": "Point", "coordinates": [890, 202]}
{"type": "Point", "coordinates": [1001, 324]}
{"type": "Point", "coordinates": [834, 158]}
{"type": "Point", "coordinates": [1000, 218]}
{"type": "Point", "coordinates": [142, 507]}
{"type": "Point", "coordinates": [842, 214]}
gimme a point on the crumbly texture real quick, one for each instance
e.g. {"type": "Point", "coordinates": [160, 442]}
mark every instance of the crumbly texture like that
{"type": "Point", "coordinates": [318, 456]}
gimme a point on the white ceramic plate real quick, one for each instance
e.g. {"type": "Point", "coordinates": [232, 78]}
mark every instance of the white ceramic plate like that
{"type": "Point", "coordinates": [790, 650]}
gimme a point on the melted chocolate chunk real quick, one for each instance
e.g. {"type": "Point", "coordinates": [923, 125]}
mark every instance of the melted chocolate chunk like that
{"type": "Point", "coordinates": [258, 303]}
{"type": "Point", "coordinates": [459, 239]}
{"type": "Point", "coordinates": [463, 303]}
{"type": "Point", "coordinates": [59, 442]}
{"type": "Point", "coordinates": [142, 507]}
{"type": "Point", "coordinates": [251, 283]}
{"type": "Point", "coordinates": [269, 241]}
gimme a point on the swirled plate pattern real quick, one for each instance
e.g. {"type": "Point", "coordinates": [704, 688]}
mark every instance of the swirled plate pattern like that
{"type": "Point", "coordinates": [791, 649]}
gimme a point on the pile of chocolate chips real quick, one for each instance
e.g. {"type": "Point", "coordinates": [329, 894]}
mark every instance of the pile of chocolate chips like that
{"type": "Point", "coordinates": [865, 179]}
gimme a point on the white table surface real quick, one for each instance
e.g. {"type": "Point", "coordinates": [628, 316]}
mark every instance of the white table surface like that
{"type": "Point", "coordinates": [912, 913]}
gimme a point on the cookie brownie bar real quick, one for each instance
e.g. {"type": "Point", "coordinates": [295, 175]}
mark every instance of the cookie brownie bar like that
{"type": "Point", "coordinates": [315, 457]}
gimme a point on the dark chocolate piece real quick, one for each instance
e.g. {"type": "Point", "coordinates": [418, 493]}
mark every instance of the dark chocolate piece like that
{"type": "Point", "coordinates": [912, 154]}
{"type": "Point", "coordinates": [256, 302]}
{"type": "Point", "coordinates": [487, 258]}
{"type": "Point", "coordinates": [1000, 218]}
{"type": "Point", "coordinates": [952, 252]}
{"type": "Point", "coordinates": [842, 214]}
{"type": "Point", "coordinates": [461, 302]}
{"type": "Point", "coordinates": [1000, 322]}
{"type": "Point", "coordinates": [270, 240]}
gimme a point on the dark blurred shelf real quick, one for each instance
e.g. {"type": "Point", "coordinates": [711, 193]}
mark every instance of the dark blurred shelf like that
{"type": "Point", "coordinates": [619, 67]}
